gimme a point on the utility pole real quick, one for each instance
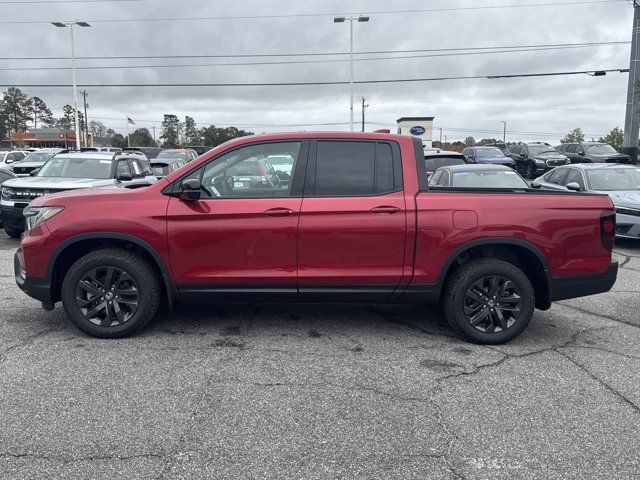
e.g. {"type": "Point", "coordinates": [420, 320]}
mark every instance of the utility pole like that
{"type": "Point", "coordinates": [86, 120]}
{"type": "Point", "coordinates": [154, 136]}
{"type": "Point", "coordinates": [632, 119]}
{"type": "Point", "coordinates": [504, 132]}
{"type": "Point", "coordinates": [364, 107]}
{"type": "Point", "coordinates": [440, 137]}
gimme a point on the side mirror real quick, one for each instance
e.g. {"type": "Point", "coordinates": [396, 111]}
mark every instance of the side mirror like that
{"type": "Point", "coordinates": [535, 185]}
{"type": "Point", "coordinates": [33, 173]}
{"type": "Point", "coordinates": [124, 177]}
{"type": "Point", "coordinates": [581, 153]}
{"type": "Point", "coordinates": [525, 155]}
{"type": "Point", "coordinates": [574, 187]}
{"type": "Point", "coordinates": [8, 160]}
{"type": "Point", "coordinates": [190, 190]}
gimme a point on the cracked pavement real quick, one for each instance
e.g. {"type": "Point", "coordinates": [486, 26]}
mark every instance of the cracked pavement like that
{"type": "Point", "coordinates": [322, 391]}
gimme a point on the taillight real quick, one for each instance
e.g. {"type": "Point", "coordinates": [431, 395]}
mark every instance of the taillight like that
{"type": "Point", "coordinates": [608, 230]}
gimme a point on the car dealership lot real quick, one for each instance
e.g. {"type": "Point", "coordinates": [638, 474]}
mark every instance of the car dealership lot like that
{"type": "Point", "coordinates": [322, 391]}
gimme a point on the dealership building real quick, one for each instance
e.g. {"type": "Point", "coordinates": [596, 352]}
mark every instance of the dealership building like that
{"type": "Point", "coordinates": [42, 138]}
{"type": "Point", "coordinates": [419, 127]}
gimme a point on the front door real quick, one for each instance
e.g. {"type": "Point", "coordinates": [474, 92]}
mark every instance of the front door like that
{"type": "Point", "coordinates": [240, 238]}
{"type": "Point", "coordinates": [353, 222]}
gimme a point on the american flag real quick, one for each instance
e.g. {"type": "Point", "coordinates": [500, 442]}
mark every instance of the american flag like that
{"type": "Point", "coordinates": [130, 121]}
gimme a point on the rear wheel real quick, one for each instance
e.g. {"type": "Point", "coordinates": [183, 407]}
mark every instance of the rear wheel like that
{"type": "Point", "coordinates": [110, 293]}
{"type": "Point", "coordinates": [13, 233]}
{"type": "Point", "coordinates": [488, 301]}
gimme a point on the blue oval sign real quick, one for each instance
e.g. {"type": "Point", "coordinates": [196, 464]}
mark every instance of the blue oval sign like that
{"type": "Point", "coordinates": [417, 130]}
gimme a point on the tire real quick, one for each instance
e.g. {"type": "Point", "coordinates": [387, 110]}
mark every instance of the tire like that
{"type": "Point", "coordinates": [131, 293]}
{"type": "Point", "coordinates": [530, 171]}
{"type": "Point", "coordinates": [13, 233]}
{"type": "Point", "coordinates": [461, 309]}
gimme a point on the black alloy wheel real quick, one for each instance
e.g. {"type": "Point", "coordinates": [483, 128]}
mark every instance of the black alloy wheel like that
{"type": "Point", "coordinates": [107, 296]}
{"type": "Point", "coordinates": [492, 304]}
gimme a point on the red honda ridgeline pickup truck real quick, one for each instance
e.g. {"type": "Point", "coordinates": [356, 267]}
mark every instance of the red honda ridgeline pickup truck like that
{"type": "Point", "coordinates": [314, 217]}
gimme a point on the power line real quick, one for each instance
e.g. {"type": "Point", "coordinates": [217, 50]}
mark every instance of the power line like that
{"type": "Point", "coordinates": [337, 82]}
{"type": "Point", "coordinates": [312, 54]}
{"type": "Point", "coordinates": [312, 15]}
{"type": "Point", "coordinates": [291, 62]}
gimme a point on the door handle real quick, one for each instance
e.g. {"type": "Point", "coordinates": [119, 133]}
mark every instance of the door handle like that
{"type": "Point", "coordinates": [385, 209]}
{"type": "Point", "coordinates": [279, 212]}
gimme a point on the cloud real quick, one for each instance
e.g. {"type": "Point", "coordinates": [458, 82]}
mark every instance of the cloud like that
{"type": "Point", "coordinates": [551, 106]}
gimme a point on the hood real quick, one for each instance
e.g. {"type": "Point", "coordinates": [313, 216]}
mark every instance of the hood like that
{"type": "Point", "coordinates": [495, 160]}
{"type": "Point", "coordinates": [29, 164]}
{"type": "Point", "coordinates": [621, 156]}
{"type": "Point", "coordinates": [622, 198]}
{"type": "Point", "coordinates": [551, 156]}
{"type": "Point", "coordinates": [57, 183]}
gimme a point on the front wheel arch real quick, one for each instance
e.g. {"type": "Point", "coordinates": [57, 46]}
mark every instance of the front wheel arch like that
{"type": "Point", "coordinates": [71, 249]}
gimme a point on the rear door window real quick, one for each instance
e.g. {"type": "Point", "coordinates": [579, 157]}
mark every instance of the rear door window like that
{"type": "Point", "coordinates": [347, 168]}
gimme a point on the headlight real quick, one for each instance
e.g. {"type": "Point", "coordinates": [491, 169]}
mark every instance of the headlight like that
{"type": "Point", "coordinates": [6, 192]}
{"type": "Point", "coordinates": [38, 215]}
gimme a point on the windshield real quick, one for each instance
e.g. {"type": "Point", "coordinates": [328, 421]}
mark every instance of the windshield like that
{"type": "Point", "coordinates": [488, 179]}
{"type": "Point", "coordinates": [38, 157]}
{"type": "Point", "coordinates": [97, 168]}
{"type": "Point", "coordinates": [541, 150]}
{"type": "Point", "coordinates": [489, 152]}
{"type": "Point", "coordinates": [611, 179]}
{"type": "Point", "coordinates": [281, 163]}
{"type": "Point", "coordinates": [601, 149]}
{"type": "Point", "coordinates": [434, 163]}
{"type": "Point", "coordinates": [173, 155]}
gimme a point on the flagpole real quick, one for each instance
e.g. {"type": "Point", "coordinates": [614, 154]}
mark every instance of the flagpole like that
{"type": "Point", "coordinates": [128, 136]}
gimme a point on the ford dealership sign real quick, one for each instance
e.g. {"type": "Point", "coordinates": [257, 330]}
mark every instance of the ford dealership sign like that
{"type": "Point", "coordinates": [417, 130]}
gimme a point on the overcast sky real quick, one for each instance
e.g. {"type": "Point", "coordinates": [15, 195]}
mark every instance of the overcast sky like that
{"type": "Point", "coordinates": [532, 106]}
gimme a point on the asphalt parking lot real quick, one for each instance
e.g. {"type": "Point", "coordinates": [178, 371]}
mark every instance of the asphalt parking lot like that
{"type": "Point", "coordinates": [322, 391]}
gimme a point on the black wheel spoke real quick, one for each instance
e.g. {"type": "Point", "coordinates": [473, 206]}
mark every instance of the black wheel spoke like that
{"type": "Point", "coordinates": [107, 296]}
{"type": "Point", "coordinates": [479, 317]}
{"type": "Point", "coordinates": [500, 317]}
{"type": "Point", "coordinates": [87, 286]}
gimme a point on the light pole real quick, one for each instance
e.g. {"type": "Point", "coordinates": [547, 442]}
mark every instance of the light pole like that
{"type": "Point", "coordinates": [632, 118]}
{"type": "Point", "coordinates": [73, 69]}
{"type": "Point", "coordinates": [504, 132]}
{"type": "Point", "coordinates": [359, 19]}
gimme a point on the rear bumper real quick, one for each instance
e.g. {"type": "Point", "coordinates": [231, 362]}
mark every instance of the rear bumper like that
{"type": "Point", "coordinates": [563, 288]}
{"type": "Point", "coordinates": [12, 217]}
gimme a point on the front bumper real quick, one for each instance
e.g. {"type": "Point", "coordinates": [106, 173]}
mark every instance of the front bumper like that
{"type": "Point", "coordinates": [627, 226]}
{"type": "Point", "coordinates": [37, 288]}
{"type": "Point", "coordinates": [12, 217]}
{"type": "Point", "coordinates": [563, 288]}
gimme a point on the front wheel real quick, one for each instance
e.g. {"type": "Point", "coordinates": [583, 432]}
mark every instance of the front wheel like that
{"type": "Point", "coordinates": [488, 301]}
{"type": "Point", "coordinates": [110, 293]}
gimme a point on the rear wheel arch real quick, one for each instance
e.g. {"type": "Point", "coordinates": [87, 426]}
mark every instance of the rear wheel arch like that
{"type": "Point", "coordinates": [524, 255]}
{"type": "Point", "coordinates": [73, 248]}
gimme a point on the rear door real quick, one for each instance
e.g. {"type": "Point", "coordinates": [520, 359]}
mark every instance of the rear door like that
{"type": "Point", "coordinates": [352, 222]}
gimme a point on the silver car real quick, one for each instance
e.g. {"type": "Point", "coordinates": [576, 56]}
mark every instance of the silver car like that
{"type": "Point", "coordinates": [620, 182]}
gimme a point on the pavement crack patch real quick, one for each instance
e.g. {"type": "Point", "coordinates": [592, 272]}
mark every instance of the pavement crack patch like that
{"type": "Point", "coordinates": [191, 422]}
{"type": "Point", "coordinates": [599, 314]}
{"type": "Point", "coordinates": [615, 392]}
{"type": "Point", "coordinates": [67, 459]}
{"type": "Point", "coordinates": [28, 341]}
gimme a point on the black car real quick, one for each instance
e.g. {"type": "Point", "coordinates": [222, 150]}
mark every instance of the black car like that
{"type": "Point", "coordinates": [434, 159]}
{"type": "Point", "coordinates": [593, 152]}
{"type": "Point", "coordinates": [535, 158]}
{"type": "Point", "coordinates": [5, 174]}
